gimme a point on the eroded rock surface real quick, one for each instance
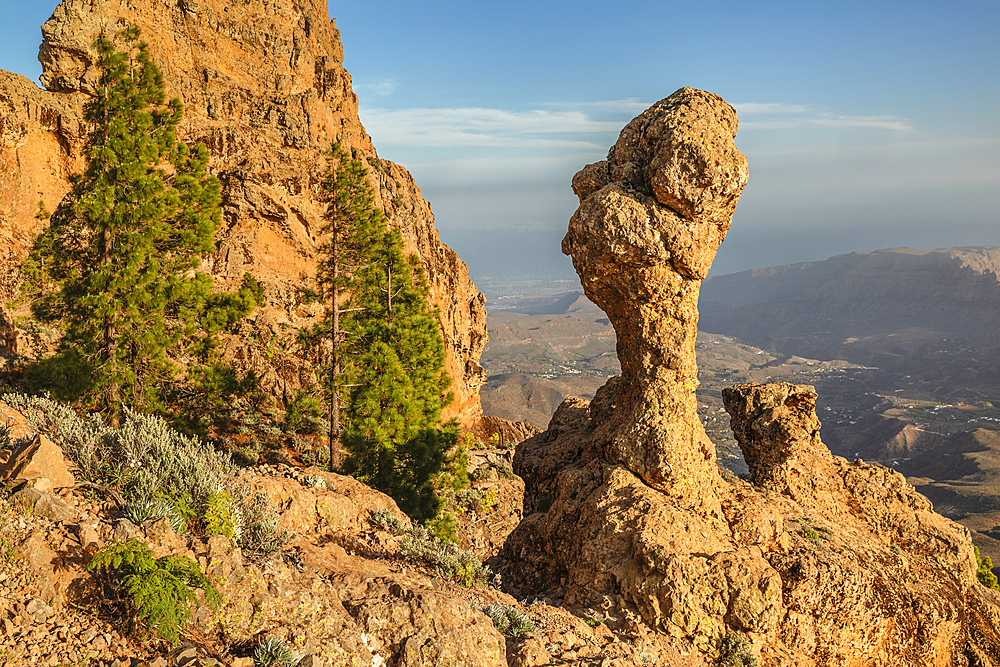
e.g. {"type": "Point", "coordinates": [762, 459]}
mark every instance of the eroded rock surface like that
{"type": "Point", "coordinates": [815, 560]}
{"type": "Point", "coordinates": [650, 219]}
{"type": "Point", "coordinates": [264, 87]}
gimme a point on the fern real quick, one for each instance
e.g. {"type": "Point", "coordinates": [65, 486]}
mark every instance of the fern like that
{"type": "Point", "coordinates": [161, 590]}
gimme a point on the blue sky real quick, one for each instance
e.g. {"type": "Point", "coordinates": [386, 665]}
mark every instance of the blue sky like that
{"type": "Point", "coordinates": [866, 124]}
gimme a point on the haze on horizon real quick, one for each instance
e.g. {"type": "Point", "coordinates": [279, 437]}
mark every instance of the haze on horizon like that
{"type": "Point", "coordinates": [865, 126]}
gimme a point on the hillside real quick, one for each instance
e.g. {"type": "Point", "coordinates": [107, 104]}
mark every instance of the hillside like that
{"type": "Point", "coordinates": [264, 88]}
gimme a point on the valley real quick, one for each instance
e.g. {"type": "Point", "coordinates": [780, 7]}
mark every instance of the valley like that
{"type": "Point", "coordinates": [919, 399]}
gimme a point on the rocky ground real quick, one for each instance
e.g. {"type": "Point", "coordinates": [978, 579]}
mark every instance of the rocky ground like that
{"type": "Point", "coordinates": [342, 591]}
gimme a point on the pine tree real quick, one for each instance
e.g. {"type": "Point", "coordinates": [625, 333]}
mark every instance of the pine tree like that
{"type": "Point", "coordinates": [386, 354]}
{"type": "Point", "coordinates": [394, 442]}
{"type": "Point", "coordinates": [350, 222]}
{"type": "Point", "coordinates": [117, 267]}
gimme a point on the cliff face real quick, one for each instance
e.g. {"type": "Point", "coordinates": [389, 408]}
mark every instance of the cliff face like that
{"type": "Point", "coordinates": [813, 560]}
{"type": "Point", "coordinates": [264, 87]}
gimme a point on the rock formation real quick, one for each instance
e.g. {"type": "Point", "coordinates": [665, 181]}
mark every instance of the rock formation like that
{"type": "Point", "coordinates": [814, 560]}
{"type": "Point", "coordinates": [264, 87]}
{"type": "Point", "coordinates": [650, 220]}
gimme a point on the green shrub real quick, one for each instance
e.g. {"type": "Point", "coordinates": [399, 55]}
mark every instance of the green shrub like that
{"type": "Point", "coordinates": [454, 476]}
{"type": "Point", "coordinates": [984, 571]}
{"type": "Point", "coordinates": [160, 590]}
{"type": "Point", "coordinates": [65, 375]}
{"type": "Point", "coordinates": [273, 653]}
{"type": "Point", "coordinates": [304, 414]}
{"type": "Point", "coordinates": [444, 525]}
{"type": "Point", "coordinates": [735, 651]}
{"type": "Point", "coordinates": [224, 517]}
{"type": "Point", "coordinates": [509, 620]}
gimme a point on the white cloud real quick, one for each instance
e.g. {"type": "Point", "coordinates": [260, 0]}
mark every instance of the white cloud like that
{"type": "Point", "coordinates": [791, 116]}
{"type": "Point", "coordinates": [884, 122]}
{"type": "Point", "coordinates": [631, 105]}
{"type": "Point", "coordinates": [570, 126]}
{"type": "Point", "coordinates": [485, 127]}
{"type": "Point", "coordinates": [377, 89]}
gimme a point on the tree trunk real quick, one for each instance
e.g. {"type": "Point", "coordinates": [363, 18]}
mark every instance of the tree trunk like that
{"type": "Point", "coordinates": [335, 435]}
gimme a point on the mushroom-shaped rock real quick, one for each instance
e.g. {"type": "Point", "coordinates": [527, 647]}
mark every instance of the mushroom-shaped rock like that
{"type": "Point", "coordinates": [650, 220]}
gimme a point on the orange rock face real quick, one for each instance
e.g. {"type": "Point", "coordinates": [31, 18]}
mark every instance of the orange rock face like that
{"type": "Point", "coordinates": [264, 87]}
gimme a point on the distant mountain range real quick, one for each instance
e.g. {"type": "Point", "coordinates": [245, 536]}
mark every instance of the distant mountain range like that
{"type": "Point", "coordinates": [935, 313]}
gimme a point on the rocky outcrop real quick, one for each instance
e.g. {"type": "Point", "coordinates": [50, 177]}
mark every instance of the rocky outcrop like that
{"type": "Point", "coordinates": [650, 219]}
{"type": "Point", "coordinates": [814, 560]}
{"type": "Point", "coordinates": [37, 463]}
{"type": "Point", "coordinates": [264, 87]}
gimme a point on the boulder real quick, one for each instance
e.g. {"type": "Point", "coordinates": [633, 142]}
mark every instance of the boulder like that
{"type": "Point", "coordinates": [43, 504]}
{"type": "Point", "coordinates": [38, 459]}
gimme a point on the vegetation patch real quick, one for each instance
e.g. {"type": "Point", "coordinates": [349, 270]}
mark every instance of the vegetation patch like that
{"type": "Point", "coordinates": [509, 620]}
{"type": "Point", "coordinates": [273, 652]}
{"type": "Point", "coordinates": [447, 558]}
{"type": "Point", "coordinates": [153, 592]}
{"type": "Point", "coordinates": [735, 651]}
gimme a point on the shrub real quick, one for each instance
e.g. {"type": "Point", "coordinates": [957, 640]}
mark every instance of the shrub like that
{"type": "Point", "coordinates": [418, 544]}
{"type": "Point", "coordinates": [984, 571]}
{"type": "Point", "coordinates": [304, 414]}
{"type": "Point", "coordinates": [509, 620]}
{"type": "Point", "coordinates": [506, 471]}
{"type": "Point", "coordinates": [260, 535]}
{"type": "Point", "coordinates": [159, 590]}
{"type": "Point", "coordinates": [482, 473]}
{"type": "Point", "coordinates": [224, 517]}
{"type": "Point", "coordinates": [163, 473]}
{"type": "Point", "coordinates": [446, 557]}
{"type": "Point", "coordinates": [145, 510]}
{"type": "Point", "coordinates": [273, 653]}
{"type": "Point", "coordinates": [315, 481]}
{"type": "Point", "coordinates": [386, 520]}
{"type": "Point", "coordinates": [444, 525]}
{"type": "Point", "coordinates": [144, 455]}
{"type": "Point", "coordinates": [735, 651]}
